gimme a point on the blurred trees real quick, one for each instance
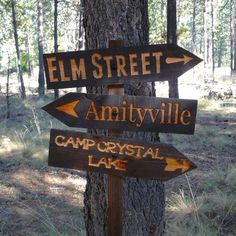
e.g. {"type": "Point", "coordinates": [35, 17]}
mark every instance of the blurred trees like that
{"type": "Point", "coordinates": [205, 27]}
{"type": "Point", "coordinates": [233, 36]}
{"type": "Point", "coordinates": [41, 80]}
{"type": "Point", "coordinates": [18, 58]}
{"type": "Point", "coordinates": [35, 37]}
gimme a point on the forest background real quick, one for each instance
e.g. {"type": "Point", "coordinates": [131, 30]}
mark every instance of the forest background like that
{"type": "Point", "coordinates": [201, 203]}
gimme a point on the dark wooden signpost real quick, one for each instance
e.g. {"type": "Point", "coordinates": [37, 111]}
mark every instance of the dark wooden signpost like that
{"type": "Point", "coordinates": [117, 65]}
{"type": "Point", "coordinates": [115, 112]}
{"type": "Point", "coordinates": [133, 113]}
{"type": "Point", "coordinates": [117, 156]}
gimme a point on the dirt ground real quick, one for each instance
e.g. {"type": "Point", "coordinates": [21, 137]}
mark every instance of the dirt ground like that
{"type": "Point", "coordinates": [38, 200]}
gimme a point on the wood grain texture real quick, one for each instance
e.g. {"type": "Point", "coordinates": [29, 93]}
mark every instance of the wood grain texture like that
{"type": "Point", "coordinates": [128, 21]}
{"type": "Point", "coordinates": [130, 113]}
{"type": "Point", "coordinates": [117, 65]}
{"type": "Point", "coordinates": [116, 156]}
{"type": "Point", "coordinates": [115, 183]}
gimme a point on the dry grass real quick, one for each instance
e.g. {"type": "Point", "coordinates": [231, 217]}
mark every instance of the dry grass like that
{"type": "Point", "coordinates": [37, 200]}
{"type": "Point", "coordinates": [211, 212]}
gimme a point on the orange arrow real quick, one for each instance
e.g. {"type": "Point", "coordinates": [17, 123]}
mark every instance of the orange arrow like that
{"type": "Point", "coordinates": [185, 59]}
{"type": "Point", "coordinates": [69, 108]}
{"type": "Point", "coordinates": [173, 165]}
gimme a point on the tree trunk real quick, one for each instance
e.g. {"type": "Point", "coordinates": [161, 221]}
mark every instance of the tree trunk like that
{"type": "Point", "coordinates": [143, 200]}
{"type": "Point", "coordinates": [212, 41]}
{"type": "Point", "coordinates": [41, 80]}
{"type": "Point", "coordinates": [208, 39]}
{"type": "Point", "coordinates": [18, 59]}
{"type": "Point", "coordinates": [162, 9]}
{"type": "Point", "coordinates": [79, 33]}
{"type": "Point", "coordinates": [56, 91]}
{"type": "Point", "coordinates": [220, 53]}
{"type": "Point", "coordinates": [172, 38]}
{"type": "Point", "coordinates": [7, 89]}
{"type": "Point", "coordinates": [231, 37]}
{"type": "Point", "coordinates": [79, 26]}
{"type": "Point", "coordinates": [205, 38]}
{"type": "Point", "coordinates": [193, 42]}
{"type": "Point", "coordinates": [234, 35]}
{"type": "Point", "coordinates": [29, 62]}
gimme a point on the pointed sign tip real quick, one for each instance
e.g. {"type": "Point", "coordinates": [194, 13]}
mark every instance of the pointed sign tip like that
{"type": "Point", "coordinates": [192, 166]}
{"type": "Point", "coordinates": [44, 108]}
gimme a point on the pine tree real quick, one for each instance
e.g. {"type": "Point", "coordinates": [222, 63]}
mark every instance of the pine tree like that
{"type": "Point", "coordinates": [143, 200]}
{"type": "Point", "coordinates": [41, 80]}
{"type": "Point", "coordinates": [18, 58]}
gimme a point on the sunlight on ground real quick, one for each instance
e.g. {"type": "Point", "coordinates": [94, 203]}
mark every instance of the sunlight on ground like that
{"type": "Point", "coordinates": [75, 182]}
{"type": "Point", "coordinates": [8, 191]}
{"type": "Point", "coordinates": [192, 83]}
{"type": "Point", "coordinates": [38, 192]}
{"type": "Point", "coordinates": [6, 145]}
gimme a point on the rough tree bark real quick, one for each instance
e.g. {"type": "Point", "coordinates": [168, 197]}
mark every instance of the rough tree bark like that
{"type": "Point", "coordinates": [79, 34]}
{"type": "Point", "coordinates": [212, 40]}
{"type": "Point", "coordinates": [7, 88]}
{"type": "Point", "coordinates": [193, 42]}
{"type": "Point", "coordinates": [79, 26]}
{"type": "Point", "coordinates": [29, 62]}
{"type": "Point", "coordinates": [233, 25]}
{"type": "Point", "coordinates": [143, 200]}
{"type": "Point", "coordinates": [56, 91]}
{"type": "Point", "coordinates": [18, 58]}
{"type": "Point", "coordinates": [41, 80]}
{"type": "Point", "coordinates": [231, 38]}
{"type": "Point", "coordinates": [172, 38]}
{"type": "Point", "coordinates": [208, 39]}
{"type": "Point", "coordinates": [220, 49]}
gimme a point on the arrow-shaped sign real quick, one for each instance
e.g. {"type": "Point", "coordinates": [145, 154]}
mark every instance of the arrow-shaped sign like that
{"type": "Point", "coordinates": [117, 65]}
{"type": "Point", "coordinates": [132, 113]}
{"type": "Point", "coordinates": [111, 155]}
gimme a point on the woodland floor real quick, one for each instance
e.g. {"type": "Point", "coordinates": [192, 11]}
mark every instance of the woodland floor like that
{"type": "Point", "coordinates": [38, 200]}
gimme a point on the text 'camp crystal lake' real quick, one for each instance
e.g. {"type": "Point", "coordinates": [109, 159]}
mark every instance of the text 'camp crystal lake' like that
{"type": "Point", "coordinates": [76, 150]}
{"type": "Point", "coordinates": [131, 113]}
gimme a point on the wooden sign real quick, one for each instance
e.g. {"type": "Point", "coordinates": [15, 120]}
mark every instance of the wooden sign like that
{"type": "Point", "coordinates": [132, 113]}
{"type": "Point", "coordinates": [117, 65]}
{"type": "Point", "coordinates": [121, 157]}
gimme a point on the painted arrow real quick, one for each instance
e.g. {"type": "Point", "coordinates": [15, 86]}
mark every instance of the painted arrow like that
{"type": "Point", "coordinates": [173, 165]}
{"type": "Point", "coordinates": [185, 59]}
{"type": "Point", "coordinates": [117, 65]}
{"type": "Point", "coordinates": [109, 155]}
{"type": "Point", "coordinates": [69, 108]}
{"type": "Point", "coordinates": [132, 113]}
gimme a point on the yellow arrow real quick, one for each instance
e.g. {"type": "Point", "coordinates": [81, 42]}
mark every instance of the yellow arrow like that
{"type": "Point", "coordinates": [185, 59]}
{"type": "Point", "coordinates": [69, 108]}
{"type": "Point", "coordinates": [173, 165]}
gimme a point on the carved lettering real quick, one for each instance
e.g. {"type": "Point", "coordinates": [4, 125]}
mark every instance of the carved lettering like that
{"type": "Point", "coordinates": [133, 64]}
{"type": "Point", "coordinates": [110, 163]}
{"type": "Point", "coordinates": [51, 69]}
{"type": "Point", "coordinates": [78, 71]}
{"type": "Point", "coordinates": [157, 56]}
{"type": "Point", "coordinates": [97, 73]}
{"type": "Point", "coordinates": [185, 114]}
{"type": "Point", "coordinates": [145, 63]}
{"type": "Point", "coordinates": [62, 72]}
{"type": "Point", "coordinates": [120, 60]}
